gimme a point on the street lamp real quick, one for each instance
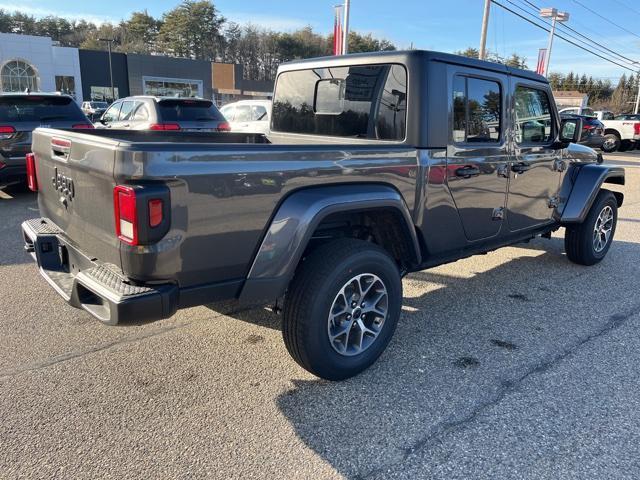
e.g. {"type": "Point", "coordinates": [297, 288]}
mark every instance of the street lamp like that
{"type": "Point", "coordinates": [555, 16]}
{"type": "Point", "coordinates": [109, 42]}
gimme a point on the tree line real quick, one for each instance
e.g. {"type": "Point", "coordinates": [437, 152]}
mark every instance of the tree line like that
{"type": "Point", "coordinates": [193, 29]}
{"type": "Point", "coordinates": [603, 95]}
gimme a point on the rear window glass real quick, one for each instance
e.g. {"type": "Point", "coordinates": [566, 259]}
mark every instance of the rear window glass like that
{"type": "Point", "coordinates": [189, 110]}
{"type": "Point", "coordinates": [367, 101]}
{"type": "Point", "coordinates": [39, 109]}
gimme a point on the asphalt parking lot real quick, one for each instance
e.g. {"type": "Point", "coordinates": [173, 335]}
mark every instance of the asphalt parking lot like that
{"type": "Point", "coordinates": [515, 364]}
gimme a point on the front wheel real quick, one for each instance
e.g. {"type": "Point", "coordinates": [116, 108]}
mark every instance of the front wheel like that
{"type": "Point", "coordinates": [588, 243]}
{"type": "Point", "coordinates": [342, 308]}
{"type": "Point", "coordinates": [611, 143]}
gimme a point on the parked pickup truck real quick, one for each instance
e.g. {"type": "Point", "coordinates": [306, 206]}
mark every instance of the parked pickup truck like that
{"type": "Point", "coordinates": [620, 135]}
{"type": "Point", "coordinates": [376, 165]}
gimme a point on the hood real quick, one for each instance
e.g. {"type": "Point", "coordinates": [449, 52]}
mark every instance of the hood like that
{"type": "Point", "coordinates": [581, 153]}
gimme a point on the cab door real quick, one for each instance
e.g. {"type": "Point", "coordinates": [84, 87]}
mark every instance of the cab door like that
{"type": "Point", "coordinates": [477, 154]}
{"type": "Point", "coordinates": [536, 161]}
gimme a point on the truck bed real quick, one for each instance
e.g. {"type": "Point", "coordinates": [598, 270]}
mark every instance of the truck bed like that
{"type": "Point", "coordinates": [224, 190]}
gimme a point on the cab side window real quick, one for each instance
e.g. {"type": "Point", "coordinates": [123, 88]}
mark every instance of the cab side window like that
{"type": "Point", "coordinates": [477, 110]}
{"type": "Point", "coordinates": [533, 122]}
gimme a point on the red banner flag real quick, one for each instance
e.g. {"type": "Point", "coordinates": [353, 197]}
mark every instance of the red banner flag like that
{"type": "Point", "coordinates": [337, 31]}
{"type": "Point", "coordinates": [542, 55]}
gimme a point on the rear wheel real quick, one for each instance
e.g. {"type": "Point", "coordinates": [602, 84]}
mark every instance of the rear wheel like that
{"type": "Point", "coordinates": [342, 308]}
{"type": "Point", "coordinates": [611, 143]}
{"type": "Point", "coordinates": [588, 243]}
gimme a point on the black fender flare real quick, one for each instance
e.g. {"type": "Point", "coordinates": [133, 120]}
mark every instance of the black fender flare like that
{"type": "Point", "coordinates": [294, 223]}
{"type": "Point", "coordinates": [580, 188]}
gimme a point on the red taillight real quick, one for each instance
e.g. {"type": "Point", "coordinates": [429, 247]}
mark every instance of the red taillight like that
{"type": "Point", "coordinates": [636, 128]}
{"type": "Point", "coordinates": [2, 164]}
{"type": "Point", "coordinates": [155, 212]}
{"type": "Point", "coordinates": [126, 214]}
{"type": "Point", "coordinates": [7, 129]}
{"type": "Point", "coordinates": [587, 127]}
{"type": "Point", "coordinates": [164, 126]}
{"type": "Point", "coordinates": [32, 181]}
{"type": "Point", "coordinates": [82, 126]}
{"type": "Point", "coordinates": [224, 127]}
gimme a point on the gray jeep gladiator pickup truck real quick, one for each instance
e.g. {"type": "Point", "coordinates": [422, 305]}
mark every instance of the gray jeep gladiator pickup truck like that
{"type": "Point", "coordinates": [376, 165]}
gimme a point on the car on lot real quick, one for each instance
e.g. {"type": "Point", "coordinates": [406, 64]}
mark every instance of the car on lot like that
{"type": "Point", "coordinates": [93, 110]}
{"type": "Point", "coordinates": [163, 113]}
{"type": "Point", "coordinates": [619, 134]}
{"type": "Point", "coordinates": [592, 130]}
{"type": "Point", "coordinates": [251, 116]}
{"type": "Point", "coordinates": [376, 165]}
{"type": "Point", "coordinates": [20, 114]}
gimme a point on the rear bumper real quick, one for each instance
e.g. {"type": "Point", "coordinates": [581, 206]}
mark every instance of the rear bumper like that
{"type": "Point", "coordinates": [97, 288]}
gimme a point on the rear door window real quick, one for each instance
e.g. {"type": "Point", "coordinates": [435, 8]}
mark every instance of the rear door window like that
{"type": "Point", "coordinates": [126, 109]}
{"type": "Point", "coordinates": [228, 112]}
{"type": "Point", "coordinates": [361, 101]}
{"type": "Point", "coordinates": [188, 110]}
{"type": "Point", "coordinates": [35, 108]}
{"type": "Point", "coordinates": [243, 113]}
{"type": "Point", "coordinates": [477, 110]}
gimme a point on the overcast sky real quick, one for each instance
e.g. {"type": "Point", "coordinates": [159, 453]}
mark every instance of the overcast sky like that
{"type": "Point", "coordinates": [437, 25]}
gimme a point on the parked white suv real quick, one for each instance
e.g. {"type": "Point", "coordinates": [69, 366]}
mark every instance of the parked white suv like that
{"type": "Point", "coordinates": [249, 116]}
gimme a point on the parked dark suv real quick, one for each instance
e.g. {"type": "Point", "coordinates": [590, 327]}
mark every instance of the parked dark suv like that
{"type": "Point", "coordinates": [592, 130]}
{"type": "Point", "coordinates": [164, 113]}
{"type": "Point", "coordinates": [20, 114]}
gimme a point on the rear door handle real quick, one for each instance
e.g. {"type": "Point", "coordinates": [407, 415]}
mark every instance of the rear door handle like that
{"type": "Point", "coordinates": [467, 172]}
{"type": "Point", "coordinates": [520, 167]}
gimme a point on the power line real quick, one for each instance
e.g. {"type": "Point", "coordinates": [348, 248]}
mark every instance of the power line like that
{"type": "Point", "coordinates": [605, 18]}
{"type": "Point", "coordinates": [567, 27]}
{"type": "Point", "coordinates": [561, 37]}
{"type": "Point", "coordinates": [627, 6]}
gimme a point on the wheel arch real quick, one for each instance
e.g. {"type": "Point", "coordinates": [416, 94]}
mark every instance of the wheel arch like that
{"type": "Point", "coordinates": [299, 216]}
{"type": "Point", "coordinates": [609, 131]}
{"type": "Point", "coordinates": [581, 188]}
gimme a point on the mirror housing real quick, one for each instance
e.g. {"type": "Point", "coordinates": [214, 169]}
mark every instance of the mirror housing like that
{"type": "Point", "coordinates": [570, 130]}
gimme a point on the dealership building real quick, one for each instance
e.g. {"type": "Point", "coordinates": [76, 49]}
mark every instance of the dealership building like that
{"type": "Point", "coordinates": [38, 64]}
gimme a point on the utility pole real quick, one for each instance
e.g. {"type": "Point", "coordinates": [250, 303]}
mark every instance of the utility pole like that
{"type": "Point", "coordinates": [635, 110]}
{"type": "Point", "coordinates": [345, 33]}
{"type": "Point", "coordinates": [109, 42]}
{"type": "Point", "coordinates": [482, 51]}
{"type": "Point", "coordinates": [555, 16]}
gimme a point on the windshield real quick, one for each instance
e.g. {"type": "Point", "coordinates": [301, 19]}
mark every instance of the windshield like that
{"type": "Point", "coordinates": [34, 108]}
{"type": "Point", "coordinates": [189, 110]}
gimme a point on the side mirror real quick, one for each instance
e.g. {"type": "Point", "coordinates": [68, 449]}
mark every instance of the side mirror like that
{"type": "Point", "coordinates": [570, 130]}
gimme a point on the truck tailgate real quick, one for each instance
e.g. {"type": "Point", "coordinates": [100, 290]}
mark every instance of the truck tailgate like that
{"type": "Point", "coordinates": [75, 185]}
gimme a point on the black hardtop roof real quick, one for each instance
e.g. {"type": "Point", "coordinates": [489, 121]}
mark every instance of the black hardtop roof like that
{"type": "Point", "coordinates": [405, 57]}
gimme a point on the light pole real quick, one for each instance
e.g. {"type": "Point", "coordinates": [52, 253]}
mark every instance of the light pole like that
{"type": "Point", "coordinates": [109, 42]}
{"type": "Point", "coordinates": [482, 52]}
{"type": "Point", "coordinates": [345, 33]}
{"type": "Point", "coordinates": [555, 16]}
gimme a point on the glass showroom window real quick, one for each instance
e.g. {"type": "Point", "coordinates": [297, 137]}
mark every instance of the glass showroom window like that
{"type": "Point", "coordinates": [17, 76]}
{"type": "Point", "coordinates": [168, 87]}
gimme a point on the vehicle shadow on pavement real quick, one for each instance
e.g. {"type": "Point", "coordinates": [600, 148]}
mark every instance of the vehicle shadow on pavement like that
{"type": "Point", "coordinates": [462, 343]}
{"type": "Point", "coordinates": [17, 204]}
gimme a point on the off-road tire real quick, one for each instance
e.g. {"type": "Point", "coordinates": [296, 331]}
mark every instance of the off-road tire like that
{"type": "Point", "coordinates": [311, 296]}
{"type": "Point", "coordinates": [579, 239]}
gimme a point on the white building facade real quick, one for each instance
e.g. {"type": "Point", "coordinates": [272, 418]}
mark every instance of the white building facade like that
{"type": "Point", "coordinates": [35, 63]}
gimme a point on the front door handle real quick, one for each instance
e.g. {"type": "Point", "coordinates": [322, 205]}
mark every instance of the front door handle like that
{"type": "Point", "coordinates": [520, 167]}
{"type": "Point", "coordinates": [467, 172]}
